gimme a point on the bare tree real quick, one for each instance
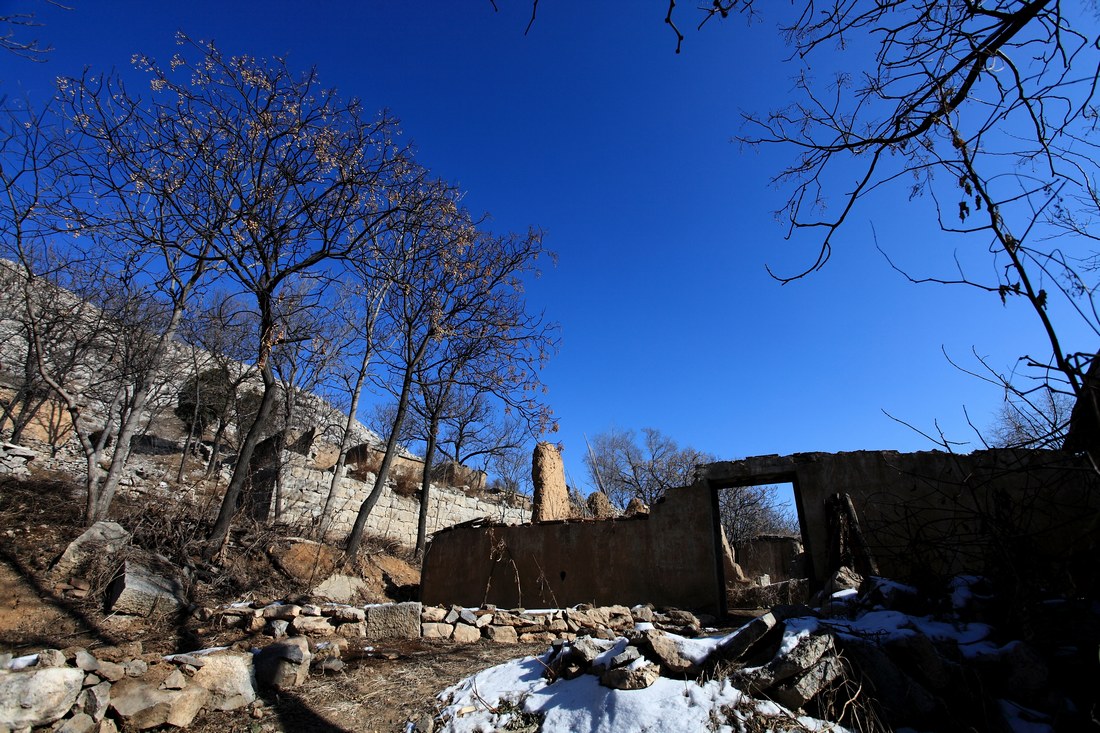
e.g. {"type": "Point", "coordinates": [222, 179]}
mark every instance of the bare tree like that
{"type": "Point", "coordinates": [11, 34]}
{"type": "Point", "coordinates": [627, 468]}
{"type": "Point", "coordinates": [989, 110]}
{"type": "Point", "coordinates": [297, 176]}
{"type": "Point", "coordinates": [462, 321]}
{"type": "Point", "coordinates": [747, 512]}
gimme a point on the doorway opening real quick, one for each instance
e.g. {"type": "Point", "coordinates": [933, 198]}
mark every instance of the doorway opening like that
{"type": "Point", "coordinates": [764, 561]}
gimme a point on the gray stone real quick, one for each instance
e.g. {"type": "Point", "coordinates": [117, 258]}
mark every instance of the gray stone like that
{"type": "Point", "coordinates": [138, 591]}
{"type": "Point", "coordinates": [630, 678]}
{"type": "Point", "coordinates": [94, 700]}
{"type": "Point", "coordinates": [341, 588]}
{"type": "Point", "coordinates": [349, 614]}
{"type": "Point", "coordinates": [50, 658]}
{"type": "Point", "coordinates": [144, 706]}
{"type": "Point", "coordinates": [662, 649]}
{"type": "Point", "coordinates": [802, 656]}
{"type": "Point", "coordinates": [176, 680]}
{"type": "Point", "coordinates": [625, 657]}
{"type": "Point", "coordinates": [795, 693]}
{"type": "Point", "coordinates": [393, 621]}
{"type": "Point", "coordinates": [79, 723]}
{"type": "Point", "coordinates": [229, 678]}
{"type": "Point", "coordinates": [101, 540]}
{"type": "Point", "coordinates": [739, 643]}
{"type": "Point", "coordinates": [38, 696]}
{"type": "Point", "coordinates": [286, 611]}
{"type": "Point", "coordinates": [433, 614]}
{"type": "Point", "coordinates": [284, 664]}
{"type": "Point", "coordinates": [312, 626]}
{"type": "Point", "coordinates": [110, 671]}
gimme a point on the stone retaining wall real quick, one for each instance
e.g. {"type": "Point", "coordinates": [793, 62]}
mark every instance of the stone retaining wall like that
{"type": "Point", "coordinates": [303, 491]}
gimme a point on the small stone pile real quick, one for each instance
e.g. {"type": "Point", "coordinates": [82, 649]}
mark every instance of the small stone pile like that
{"type": "Point", "coordinates": [523, 626]}
{"type": "Point", "coordinates": [912, 661]}
{"type": "Point", "coordinates": [111, 688]}
{"type": "Point", "coordinates": [374, 622]}
{"type": "Point", "coordinates": [14, 459]}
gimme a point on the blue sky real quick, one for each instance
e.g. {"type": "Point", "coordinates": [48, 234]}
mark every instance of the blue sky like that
{"type": "Point", "coordinates": [593, 129]}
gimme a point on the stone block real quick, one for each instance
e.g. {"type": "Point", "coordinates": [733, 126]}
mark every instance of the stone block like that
{"type": "Point", "coordinates": [138, 591]}
{"type": "Point", "coordinates": [101, 540]}
{"type": "Point", "coordinates": [502, 634]}
{"type": "Point", "coordinates": [466, 634]}
{"type": "Point", "coordinates": [284, 664]}
{"type": "Point", "coordinates": [393, 621]}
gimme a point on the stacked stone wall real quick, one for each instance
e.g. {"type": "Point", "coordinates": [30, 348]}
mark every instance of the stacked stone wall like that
{"type": "Point", "coordinates": [303, 492]}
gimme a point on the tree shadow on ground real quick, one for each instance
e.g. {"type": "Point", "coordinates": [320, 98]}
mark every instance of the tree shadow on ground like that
{"type": "Point", "coordinates": [294, 713]}
{"type": "Point", "coordinates": [83, 623]}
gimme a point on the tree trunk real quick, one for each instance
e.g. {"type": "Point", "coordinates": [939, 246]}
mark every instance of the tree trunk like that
{"type": "Point", "coordinates": [220, 531]}
{"type": "Point", "coordinates": [345, 445]}
{"type": "Point", "coordinates": [356, 537]}
{"type": "Point", "coordinates": [137, 404]}
{"type": "Point", "coordinates": [426, 485]}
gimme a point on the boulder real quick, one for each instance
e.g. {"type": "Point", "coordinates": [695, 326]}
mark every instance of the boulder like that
{"type": "Point", "coordinates": [144, 706]}
{"type": "Point", "coordinates": [312, 626]}
{"type": "Point", "coordinates": [502, 634]}
{"type": "Point", "coordinates": [631, 677]}
{"type": "Point", "coordinates": [284, 664]}
{"type": "Point", "coordinates": [466, 634]}
{"type": "Point", "coordinates": [229, 678]}
{"type": "Point", "coordinates": [101, 540]}
{"type": "Point", "coordinates": [36, 697]}
{"type": "Point", "coordinates": [138, 591]}
{"type": "Point", "coordinates": [662, 649]}
{"type": "Point", "coordinates": [795, 693]}
{"type": "Point", "coordinates": [340, 588]}
{"type": "Point", "coordinates": [440, 631]}
{"type": "Point", "coordinates": [305, 560]}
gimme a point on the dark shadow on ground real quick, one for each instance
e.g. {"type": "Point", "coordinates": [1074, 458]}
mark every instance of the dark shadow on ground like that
{"type": "Point", "coordinates": [294, 713]}
{"type": "Point", "coordinates": [84, 624]}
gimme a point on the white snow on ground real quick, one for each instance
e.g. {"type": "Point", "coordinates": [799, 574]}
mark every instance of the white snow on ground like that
{"type": "Point", "coordinates": [971, 637]}
{"type": "Point", "coordinates": [491, 699]}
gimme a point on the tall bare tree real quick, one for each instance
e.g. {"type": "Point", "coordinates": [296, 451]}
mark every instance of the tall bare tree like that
{"type": "Point", "coordinates": [464, 322]}
{"type": "Point", "coordinates": [298, 177]}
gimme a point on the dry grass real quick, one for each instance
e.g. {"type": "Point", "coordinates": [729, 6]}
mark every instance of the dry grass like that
{"type": "Point", "coordinates": [379, 692]}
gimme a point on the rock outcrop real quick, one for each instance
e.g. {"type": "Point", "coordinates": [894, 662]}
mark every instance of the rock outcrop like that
{"type": "Point", "coordinates": [551, 496]}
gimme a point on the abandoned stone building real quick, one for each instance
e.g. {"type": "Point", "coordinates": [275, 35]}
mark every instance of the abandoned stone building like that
{"type": "Point", "coordinates": [903, 515]}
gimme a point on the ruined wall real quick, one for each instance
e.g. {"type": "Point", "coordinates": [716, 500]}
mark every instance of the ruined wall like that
{"type": "Point", "coordinates": [303, 490]}
{"type": "Point", "coordinates": [780, 558]}
{"type": "Point", "coordinates": [940, 513]}
{"type": "Point", "coordinates": [667, 558]}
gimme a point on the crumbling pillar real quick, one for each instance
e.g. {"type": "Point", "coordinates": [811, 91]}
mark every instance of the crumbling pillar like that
{"type": "Point", "coordinates": [551, 499]}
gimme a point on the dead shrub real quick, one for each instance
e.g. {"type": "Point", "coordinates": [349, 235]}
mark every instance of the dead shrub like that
{"type": "Point", "coordinates": [405, 480]}
{"type": "Point", "coordinates": [368, 466]}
